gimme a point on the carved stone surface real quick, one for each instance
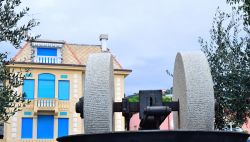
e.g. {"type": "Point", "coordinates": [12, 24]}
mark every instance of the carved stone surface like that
{"type": "Point", "coordinates": [193, 87]}
{"type": "Point", "coordinates": [98, 94]}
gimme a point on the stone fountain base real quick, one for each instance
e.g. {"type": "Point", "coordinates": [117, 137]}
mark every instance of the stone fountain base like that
{"type": "Point", "coordinates": [159, 136]}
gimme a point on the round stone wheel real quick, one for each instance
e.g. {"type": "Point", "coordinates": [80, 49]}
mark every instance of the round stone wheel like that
{"type": "Point", "coordinates": [193, 88]}
{"type": "Point", "coordinates": [98, 94]}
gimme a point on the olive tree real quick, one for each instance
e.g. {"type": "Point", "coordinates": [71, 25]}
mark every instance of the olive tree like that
{"type": "Point", "coordinates": [228, 53]}
{"type": "Point", "coordinates": [14, 32]}
{"type": "Point", "coordinates": [242, 6]}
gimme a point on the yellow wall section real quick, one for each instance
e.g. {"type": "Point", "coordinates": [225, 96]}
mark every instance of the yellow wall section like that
{"type": "Point", "coordinates": [75, 76]}
{"type": "Point", "coordinates": [119, 121]}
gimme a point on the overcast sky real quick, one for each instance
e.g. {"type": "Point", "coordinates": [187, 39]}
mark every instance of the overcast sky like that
{"type": "Point", "coordinates": [144, 35]}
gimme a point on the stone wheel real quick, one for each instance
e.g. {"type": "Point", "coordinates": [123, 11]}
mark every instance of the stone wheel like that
{"type": "Point", "coordinates": [193, 88]}
{"type": "Point", "coordinates": [98, 94]}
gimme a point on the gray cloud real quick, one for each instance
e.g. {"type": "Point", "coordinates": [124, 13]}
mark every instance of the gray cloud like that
{"type": "Point", "coordinates": [145, 35]}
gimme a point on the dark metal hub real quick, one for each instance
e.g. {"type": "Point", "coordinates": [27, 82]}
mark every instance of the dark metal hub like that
{"type": "Point", "coordinates": [150, 107]}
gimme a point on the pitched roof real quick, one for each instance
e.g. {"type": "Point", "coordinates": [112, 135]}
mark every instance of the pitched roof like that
{"type": "Point", "coordinates": [71, 53]}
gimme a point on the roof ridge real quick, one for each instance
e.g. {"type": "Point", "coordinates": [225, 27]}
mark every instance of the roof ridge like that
{"type": "Point", "coordinates": [20, 51]}
{"type": "Point", "coordinates": [66, 45]}
{"type": "Point", "coordinates": [83, 44]}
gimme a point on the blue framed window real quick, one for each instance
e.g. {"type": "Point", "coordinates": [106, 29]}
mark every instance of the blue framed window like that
{"type": "Point", "coordinates": [27, 113]}
{"type": "Point", "coordinates": [28, 88]}
{"type": "Point", "coordinates": [63, 113]}
{"type": "Point", "coordinates": [64, 76]}
{"type": "Point", "coordinates": [46, 85]}
{"type": "Point", "coordinates": [46, 52]}
{"type": "Point", "coordinates": [27, 128]}
{"type": "Point", "coordinates": [45, 126]}
{"type": "Point", "coordinates": [63, 127]}
{"type": "Point", "coordinates": [63, 89]}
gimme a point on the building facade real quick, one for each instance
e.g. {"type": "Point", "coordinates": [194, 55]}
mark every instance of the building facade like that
{"type": "Point", "coordinates": [53, 84]}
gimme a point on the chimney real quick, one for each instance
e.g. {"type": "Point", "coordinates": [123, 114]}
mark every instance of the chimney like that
{"type": "Point", "coordinates": [103, 38]}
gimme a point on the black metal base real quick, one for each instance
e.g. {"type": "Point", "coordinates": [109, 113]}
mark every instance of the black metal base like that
{"type": "Point", "coordinates": [159, 136]}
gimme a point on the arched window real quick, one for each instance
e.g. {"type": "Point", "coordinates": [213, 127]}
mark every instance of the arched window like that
{"type": "Point", "coordinates": [46, 85]}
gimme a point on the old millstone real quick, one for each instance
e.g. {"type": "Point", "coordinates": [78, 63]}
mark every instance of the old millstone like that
{"type": "Point", "coordinates": [98, 94]}
{"type": "Point", "coordinates": [193, 88]}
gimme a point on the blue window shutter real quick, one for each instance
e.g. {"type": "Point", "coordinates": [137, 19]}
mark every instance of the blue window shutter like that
{"type": "Point", "coordinates": [27, 128]}
{"type": "Point", "coordinates": [63, 90]}
{"type": "Point", "coordinates": [28, 88]}
{"type": "Point", "coordinates": [46, 86]}
{"type": "Point", "coordinates": [63, 127]}
{"type": "Point", "coordinates": [45, 126]}
{"type": "Point", "coordinates": [46, 89]}
{"type": "Point", "coordinates": [46, 76]}
{"type": "Point", "coordinates": [46, 52]}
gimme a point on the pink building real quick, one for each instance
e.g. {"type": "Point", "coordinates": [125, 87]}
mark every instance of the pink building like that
{"type": "Point", "coordinates": [168, 123]}
{"type": "Point", "coordinates": [246, 126]}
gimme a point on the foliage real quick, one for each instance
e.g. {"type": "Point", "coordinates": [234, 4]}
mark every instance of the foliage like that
{"type": "Point", "coordinates": [10, 101]}
{"type": "Point", "coordinates": [244, 6]}
{"type": "Point", "coordinates": [12, 31]}
{"type": "Point", "coordinates": [135, 98]}
{"type": "Point", "coordinates": [169, 73]}
{"type": "Point", "coordinates": [166, 99]}
{"type": "Point", "coordinates": [169, 91]}
{"type": "Point", "coordinates": [228, 53]}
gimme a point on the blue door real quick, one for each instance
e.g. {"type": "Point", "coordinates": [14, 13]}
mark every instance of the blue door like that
{"type": "Point", "coordinates": [28, 88]}
{"type": "Point", "coordinates": [45, 126]}
{"type": "Point", "coordinates": [27, 128]}
{"type": "Point", "coordinates": [63, 90]}
{"type": "Point", "coordinates": [63, 127]}
{"type": "Point", "coordinates": [46, 86]}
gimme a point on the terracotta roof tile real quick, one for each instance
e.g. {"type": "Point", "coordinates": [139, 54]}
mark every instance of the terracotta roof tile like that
{"type": "Point", "coordinates": [71, 54]}
{"type": "Point", "coordinates": [24, 54]}
{"type": "Point", "coordinates": [82, 52]}
{"type": "Point", "coordinates": [116, 64]}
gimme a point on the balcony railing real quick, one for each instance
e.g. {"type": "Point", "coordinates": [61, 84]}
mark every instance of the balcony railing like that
{"type": "Point", "coordinates": [46, 103]}
{"type": "Point", "coordinates": [43, 104]}
{"type": "Point", "coordinates": [48, 59]}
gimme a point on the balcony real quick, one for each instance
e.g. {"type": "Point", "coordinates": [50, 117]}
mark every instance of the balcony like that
{"type": "Point", "coordinates": [46, 104]}
{"type": "Point", "coordinates": [48, 59]}
{"type": "Point", "coordinates": [50, 105]}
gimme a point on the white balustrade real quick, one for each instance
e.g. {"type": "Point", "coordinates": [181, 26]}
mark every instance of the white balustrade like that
{"type": "Point", "coordinates": [41, 104]}
{"type": "Point", "coordinates": [46, 103]}
{"type": "Point", "coordinates": [47, 59]}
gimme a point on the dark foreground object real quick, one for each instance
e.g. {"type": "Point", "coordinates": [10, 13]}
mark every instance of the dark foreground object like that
{"type": "Point", "coordinates": [159, 136]}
